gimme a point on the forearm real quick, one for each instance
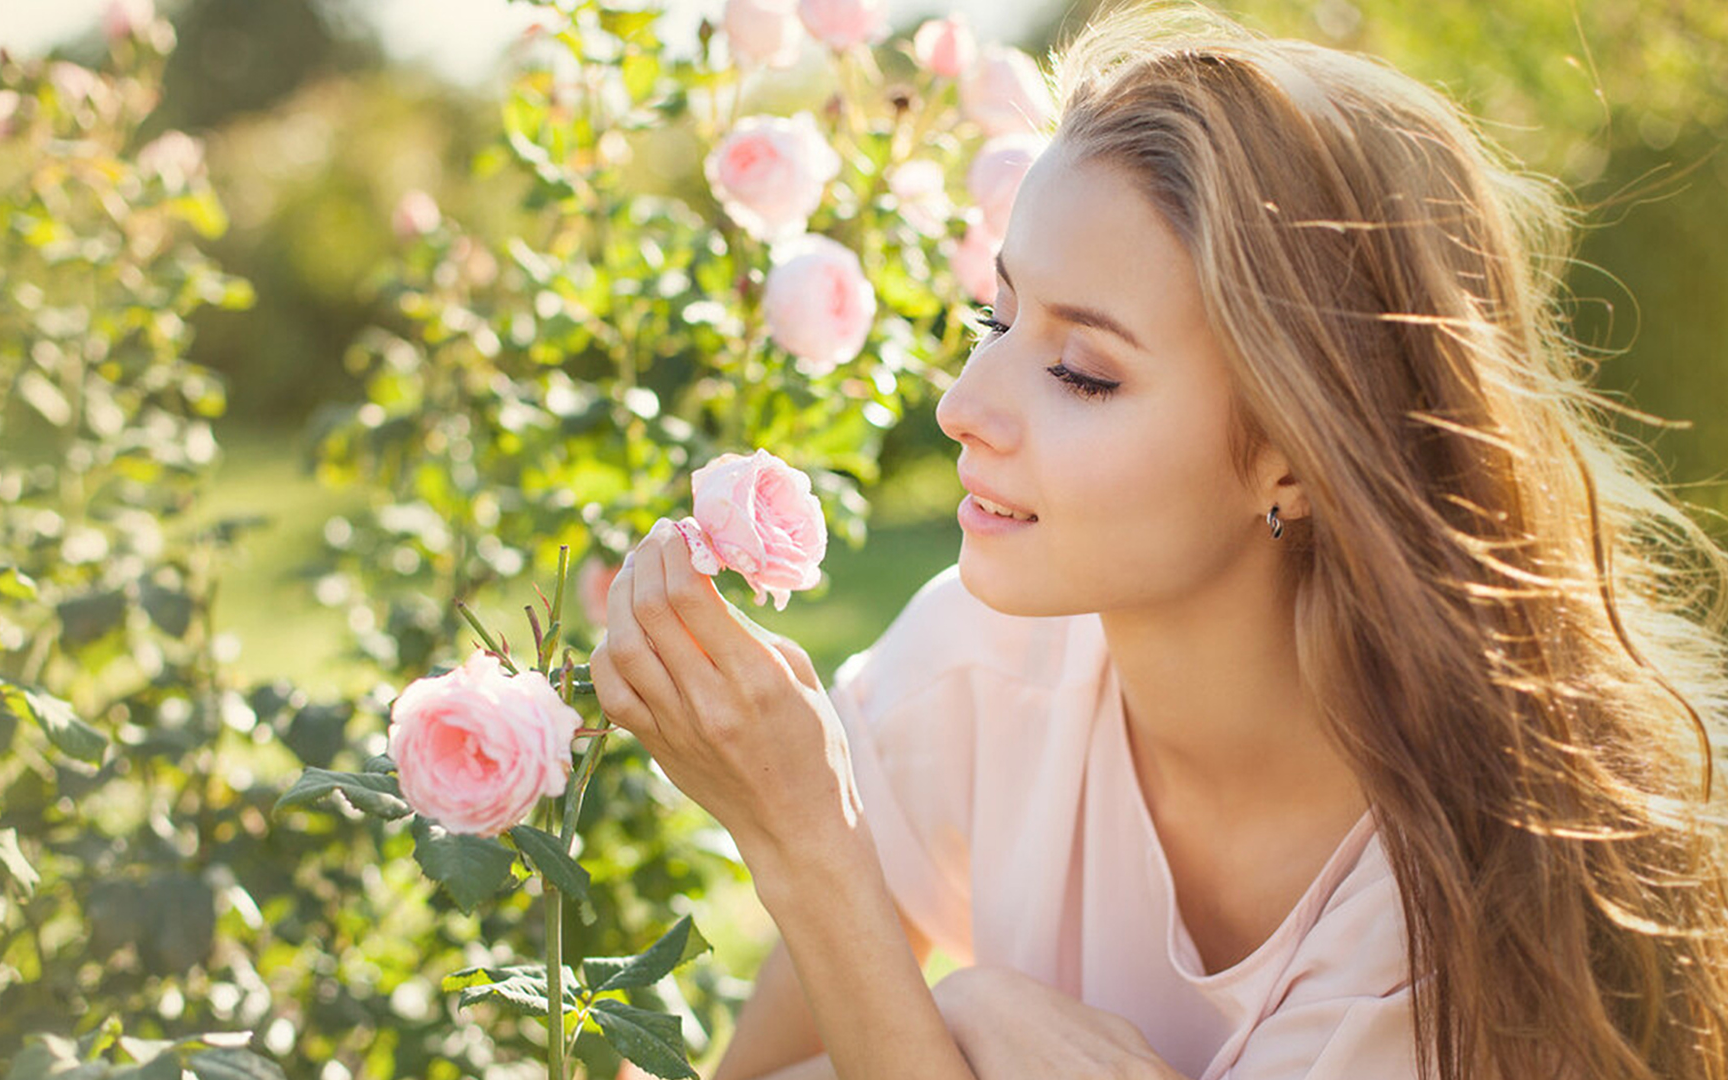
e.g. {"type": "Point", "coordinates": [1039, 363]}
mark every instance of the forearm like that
{"type": "Point", "coordinates": [861, 979]}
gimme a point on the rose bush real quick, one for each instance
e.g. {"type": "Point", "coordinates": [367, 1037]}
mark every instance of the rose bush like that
{"type": "Point", "coordinates": [475, 748]}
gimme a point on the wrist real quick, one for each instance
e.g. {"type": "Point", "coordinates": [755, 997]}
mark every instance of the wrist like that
{"type": "Point", "coordinates": [811, 866]}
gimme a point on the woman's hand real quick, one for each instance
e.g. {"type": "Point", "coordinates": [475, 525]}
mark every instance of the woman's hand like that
{"type": "Point", "coordinates": [1013, 1027]}
{"type": "Point", "coordinates": [735, 715]}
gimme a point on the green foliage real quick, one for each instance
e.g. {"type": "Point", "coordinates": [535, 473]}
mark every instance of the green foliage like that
{"type": "Point", "coordinates": [109, 1054]}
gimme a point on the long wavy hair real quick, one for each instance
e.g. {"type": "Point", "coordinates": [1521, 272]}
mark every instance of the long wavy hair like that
{"type": "Point", "coordinates": [1516, 635]}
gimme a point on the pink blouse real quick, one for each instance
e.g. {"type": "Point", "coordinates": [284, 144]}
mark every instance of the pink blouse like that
{"type": "Point", "coordinates": [992, 756]}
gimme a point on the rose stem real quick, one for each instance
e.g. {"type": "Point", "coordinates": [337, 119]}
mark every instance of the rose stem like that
{"type": "Point", "coordinates": [554, 911]}
{"type": "Point", "coordinates": [503, 657]}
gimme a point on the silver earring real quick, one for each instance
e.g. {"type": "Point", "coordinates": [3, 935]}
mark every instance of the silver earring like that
{"type": "Point", "coordinates": [1272, 520]}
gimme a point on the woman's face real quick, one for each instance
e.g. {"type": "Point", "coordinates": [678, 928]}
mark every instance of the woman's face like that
{"type": "Point", "coordinates": [1135, 499]}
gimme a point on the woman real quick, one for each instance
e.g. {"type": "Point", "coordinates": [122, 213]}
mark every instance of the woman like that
{"type": "Point", "coordinates": [1321, 691]}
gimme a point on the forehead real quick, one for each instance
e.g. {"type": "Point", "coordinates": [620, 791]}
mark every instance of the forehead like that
{"type": "Point", "coordinates": [1083, 231]}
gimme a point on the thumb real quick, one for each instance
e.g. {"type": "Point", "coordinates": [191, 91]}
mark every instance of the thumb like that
{"type": "Point", "coordinates": [799, 661]}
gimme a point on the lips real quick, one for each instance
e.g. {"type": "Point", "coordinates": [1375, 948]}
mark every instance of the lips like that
{"type": "Point", "coordinates": [994, 502]}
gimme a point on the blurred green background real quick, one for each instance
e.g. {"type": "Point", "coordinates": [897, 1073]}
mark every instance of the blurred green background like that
{"type": "Point", "coordinates": [314, 131]}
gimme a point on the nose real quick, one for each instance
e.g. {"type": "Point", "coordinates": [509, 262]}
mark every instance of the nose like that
{"type": "Point", "coordinates": [971, 410]}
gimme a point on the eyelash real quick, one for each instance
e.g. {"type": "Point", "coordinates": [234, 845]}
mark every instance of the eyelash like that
{"type": "Point", "coordinates": [1083, 385]}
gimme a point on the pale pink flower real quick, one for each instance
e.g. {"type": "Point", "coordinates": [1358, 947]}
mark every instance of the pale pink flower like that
{"type": "Point", "coordinates": [475, 749]}
{"type": "Point", "coordinates": [1005, 92]}
{"type": "Point", "coordinates": [818, 304]}
{"type": "Point", "coordinates": [416, 215]}
{"type": "Point", "coordinates": [945, 47]}
{"type": "Point", "coordinates": [124, 18]}
{"type": "Point", "coordinates": [74, 83]}
{"type": "Point", "coordinates": [758, 516]}
{"type": "Point", "coordinates": [173, 156]}
{"type": "Point", "coordinates": [593, 581]}
{"type": "Point", "coordinates": [841, 24]}
{"type": "Point", "coordinates": [769, 174]}
{"type": "Point", "coordinates": [920, 191]}
{"type": "Point", "coordinates": [995, 175]}
{"type": "Point", "coordinates": [10, 101]}
{"type": "Point", "coordinates": [764, 31]}
{"type": "Point", "coordinates": [974, 263]}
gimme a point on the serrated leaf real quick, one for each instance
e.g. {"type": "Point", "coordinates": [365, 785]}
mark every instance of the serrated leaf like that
{"type": "Point", "coordinates": [654, 1041]}
{"type": "Point", "coordinates": [372, 793]}
{"type": "Point", "coordinates": [520, 987]}
{"type": "Point", "coordinates": [69, 734]}
{"type": "Point", "coordinates": [548, 855]}
{"type": "Point", "coordinates": [470, 868]}
{"type": "Point", "coordinates": [17, 866]}
{"type": "Point", "coordinates": [379, 763]}
{"type": "Point", "coordinates": [232, 1064]}
{"type": "Point", "coordinates": [676, 947]}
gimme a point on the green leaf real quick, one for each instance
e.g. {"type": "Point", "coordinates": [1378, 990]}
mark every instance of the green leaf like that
{"type": "Point", "coordinates": [547, 854]}
{"type": "Point", "coordinates": [676, 947]}
{"type": "Point", "coordinates": [654, 1041]}
{"type": "Point", "coordinates": [519, 987]}
{"type": "Point", "coordinates": [169, 609]}
{"type": "Point", "coordinates": [379, 763]}
{"type": "Point", "coordinates": [233, 1064]}
{"type": "Point", "coordinates": [69, 734]}
{"type": "Point", "coordinates": [470, 868]}
{"type": "Point", "coordinates": [372, 793]}
{"type": "Point", "coordinates": [50, 1056]}
{"type": "Point", "coordinates": [164, 1066]}
{"type": "Point", "coordinates": [17, 866]}
{"type": "Point", "coordinates": [90, 617]}
{"type": "Point", "coordinates": [15, 584]}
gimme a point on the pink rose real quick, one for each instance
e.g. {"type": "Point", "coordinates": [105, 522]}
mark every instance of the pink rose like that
{"type": "Point", "coordinates": [174, 156]}
{"type": "Point", "coordinates": [764, 31]}
{"type": "Point", "coordinates": [475, 749]}
{"type": "Point", "coordinates": [758, 516]}
{"type": "Point", "coordinates": [123, 18]}
{"type": "Point", "coordinates": [995, 175]}
{"type": "Point", "coordinates": [974, 263]}
{"type": "Point", "coordinates": [1005, 92]}
{"type": "Point", "coordinates": [416, 215]}
{"type": "Point", "coordinates": [841, 24]}
{"type": "Point", "coordinates": [919, 188]}
{"type": "Point", "coordinates": [818, 304]}
{"type": "Point", "coordinates": [593, 582]}
{"type": "Point", "coordinates": [945, 47]}
{"type": "Point", "coordinates": [769, 174]}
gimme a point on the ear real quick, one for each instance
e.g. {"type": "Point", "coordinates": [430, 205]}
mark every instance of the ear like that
{"type": "Point", "coordinates": [1277, 484]}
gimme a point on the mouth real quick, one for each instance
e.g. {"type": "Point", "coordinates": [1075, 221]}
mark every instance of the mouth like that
{"type": "Point", "coordinates": [1002, 511]}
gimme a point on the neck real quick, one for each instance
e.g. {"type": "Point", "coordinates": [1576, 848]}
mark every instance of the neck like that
{"type": "Point", "coordinates": [1217, 713]}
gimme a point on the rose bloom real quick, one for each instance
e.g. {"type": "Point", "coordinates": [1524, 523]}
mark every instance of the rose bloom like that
{"type": "Point", "coordinates": [475, 749]}
{"type": "Point", "coordinates": [945, 47]}
{"type": "Point", "coordinates": [593, 582]}
{"type": "Point", "coordinates": [757, 516]}
{"type": "Point", "coordinates": [841, 24]}
{"type": "Point", "coordinates": [174, 156]}
{"type": "Point", "coordinates": [995, 174]}
{"type": "Point", "coordinates": [123, 18]}
{"type": "Point", "coordinates": [818, 304]}
{"type": "Point", "coordinates": [919, 189]}
{"type": "Point", "coordinates": [416, 215]}
{"type": "Point", "coordinates": [769, 174]}
{"type": "Point", "coordinates": [974, 263]}
{"type": "Point", "coordinates": [764, 31]}
{"type": "Point", "coordinates": [1005, 92]}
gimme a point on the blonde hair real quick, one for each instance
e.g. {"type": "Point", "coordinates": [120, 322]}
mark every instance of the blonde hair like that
{"type": "Point", "coordinates": [1516, 636]}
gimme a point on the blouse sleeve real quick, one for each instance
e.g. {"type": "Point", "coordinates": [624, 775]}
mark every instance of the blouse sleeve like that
{"type": "Point", "coordinates": [1347, 1009]}
{"type": "Point", "coordinates": [908, 711]}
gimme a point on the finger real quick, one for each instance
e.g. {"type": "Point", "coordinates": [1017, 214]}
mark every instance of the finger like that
{"type": "Point", "coordinates": [800, 663]}
{"type": "Point", "coordinates": [618, 701]}
{"type": "Point", "coordinates": [709, 620]}
{"type": "Point", "coordinates": [632, 654]}
{"type": "Point", "coordinates": [657, 612]}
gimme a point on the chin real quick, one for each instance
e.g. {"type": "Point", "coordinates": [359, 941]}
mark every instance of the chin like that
{"type": "Point", "coordinates": [1009, 594]}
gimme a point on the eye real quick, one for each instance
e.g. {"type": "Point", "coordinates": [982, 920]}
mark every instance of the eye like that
{"type": "Point", "coordinates": [1084, 385]}
{"type": "Point", "coordinates": [984, 322]}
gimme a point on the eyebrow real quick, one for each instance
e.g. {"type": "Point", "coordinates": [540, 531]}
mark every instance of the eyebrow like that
{"type": "Point", "coordinates": [1080, 316]}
